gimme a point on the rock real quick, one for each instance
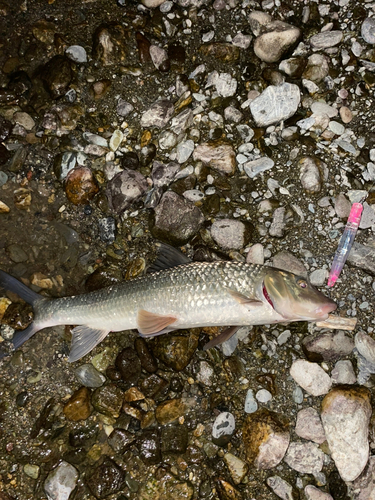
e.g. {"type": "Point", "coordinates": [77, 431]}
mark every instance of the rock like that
{"type": "Point", "coordinates": [266, 438]}
{"type": "Point", "coordinates": [317, 68]}
{"type": "Point", "coordinates": [342, 206]}
{"type": "Point", "coordinates": [57, 75]}
{"type": "Point", "coordinates": [322, 108]}
{"type": "Point", "coordinates": [368, 30]}
{"type": "Point", "coordinates": [225, 52]}
{"type": "Point", "coordinates": [313, 173]}
{"type": "Point", "coordinates": [175, 351]}
{"type": "Point", "coordinates": [277, 38]}
{"type": "Point", "coordinates": [107, 478]}
{"type": "Point", "coordinates": [80, 185]}
{"type": "Point", "coordinates": [152, 4]}
{"type": "Point", "coordinates": [129, 365]}
{"type": "Point", "coordinates": [255, 254]}
{"type": "Point", "coordinates": [318, 277]}
{"type": "Point", "coordinates": [311, 377]}
{"type": "Point", "coordinates": [154, 386]}
{"type": "Point", "coordinates": [309, 426]}
{"type": "Point", "coordinates": [16, 253]}
{"type": "Point", "coordinates": [251, 405]}
{"type": "Point", "coordinates": [368, 217]}
{"type": "Point", "coordinates": [232, 114]}
{"type": "Point", "coordinates": [78, 406]}
{"type": "Point", "coordinates": [275, 103]}
{"type": "Point", "coordinates": [287, 262]}
{"type": "Point", "coordinates": [242, 41]}
{"type": "Point", "coordinates": [206, 374]}
{"type": "Point", "coordinates": [76, 53]}
{"type": "Point", "coordinates": [149, 447]}
{"type": "Point", "coordinates": [278, 223]}
{"type": "Point", "coordinates": [223, 428]}
{"type": "Point", "coordinates": [327, 346]}
{"type": "Point", "coordinates": [313, 493]}
{"type": "Point", "coordinates": [326, 39]}
{"type": "Point", "coordinates": [177, 220]}
{"type": "Point", "coordinates": [116, 140]}
{"type": "Point", "coordinates": [343, 373]}
{"type": "Point", "coordinates": [148, 362]}
{"type": "Point", "coordinates": [108, 400]}
{"type": "Point", "coordinates": [306, 458]}
{"type": "Point", "coordinates": [61, 481]}
{"type": "Point", "coordinates": [160, 58]}
{"type": "Point", "coordinates": [363, 488]}
{"type": "Point", "coordinates": [237, 468]}
{"type": "Point", "coordinates": [24, 119]}
{"type": "Point", "coordinates": [124, 108]}
{"type": "Point", "coordinates": [226, 85]}
{"type": "Point", "coordinates": [345, 114]}
{"type": "Point", "coordinates": [89, 376]}
{"type": "Point", "coordinates": [229, 233]}
{"type": "Point", "coordinates": [293, 67]}
{"type": "Point", "coordinates": [221, 158]}
{"type": "Point", "coordinates": [107, 230]}
{"type": "Point", "coordinates": [255, 167]}
{"type": "Point", "coordinates": [120, 440]}
{"type": "Point", "coordinates": [281, 488]}
{"type": "Point", "coordinates": [174, 439]}
{"type": "Point", "coordinates": [109, 44]}
{"type": "Point", "coordinates": [346, 413]}
{"type": "Point", "coordinates": [124, 189]}
{"type": "Point", "coordinates": [363, 256]}
{"type": "Point", "coordinates": [166, 488]}
{"type": "Point", "coordinates": [365, 346]}
{"type": "Point", "coordinates": [32, 471]}
{"type": "Point", "coordinates": [184, 150]}
{"type": "Point", "coordinates": [158, 115]}
{"type": "Point", "coordinates": [169, 411]}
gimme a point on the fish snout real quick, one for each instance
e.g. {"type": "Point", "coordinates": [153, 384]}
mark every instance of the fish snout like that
{"type": "Point", "coordinates": [326, 308]}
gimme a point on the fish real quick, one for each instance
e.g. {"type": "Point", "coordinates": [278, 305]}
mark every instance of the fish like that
{"type": "Point", "coordinates": [176, 294]}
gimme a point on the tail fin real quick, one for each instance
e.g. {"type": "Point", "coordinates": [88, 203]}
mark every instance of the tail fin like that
{"type": "Point", "coordinates": [13, 285]}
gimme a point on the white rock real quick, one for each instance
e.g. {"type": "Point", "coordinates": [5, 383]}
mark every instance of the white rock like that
{"type": "Point", "coordinates": [345, 416]}
{"type": "Point", "coordinates": [318, 277]}
{"type": "Point", "coordinates": [321, 108]}
{"type": "Point", "coordinates": [281, 488]}
{"type": "Point", "coordinates": [242, 41]}
{"type": "Point", "coordinates": [237, 467]}
{"type": "Point", "coordinates": [366, 346]}
{"type": "Point", "coordinates": [184, 150]}
{"type": "Point", "coordinates": [255, 167]}
{"type": "Point", "coordinates": [255, 254]}
{"type": "Point", "coordinates": [309, 425]}
{"type": "Point", "coordinates": [224, 425]}
{"type": "Point", "coordinates": [61, 481]}
{"type": "Point", "coordinates": [311, 377]}
{"type": "Point", "coordinates": [343, 373]}
{"type": "Point", "coordinates": [226, 85]}
{"type": "Point", "coordinates": [151, 4]}
{"type": "Point", "coordinates": [76, 53]}
{"type": "Point", "coordinates": [368, 216]}
{"type": "Point", "coordinates": [116, 140]}
{"type": "Point", "coordinates": [306, 458]}
{"type": "Point", "coordinates": [326, 39]}
{"type": "Point", "coordinates": [263, 396]}
{"type": "Point", "coordinates": [193, 195]}
{"type": "Point", "coordinates": [275, 103]}
{"type": "Point", "coordinates": [221, 158]}
{"type": "Point", "coordinates": [368, 30]}
{"type": "Point", "coordinates": [228, 233]}
{"type": "Point", "coordinates": [158, 115]}
{"type": "Point", "coordinates": [251, 405]}
{"type": "Point", "coordinates": [313, 493]}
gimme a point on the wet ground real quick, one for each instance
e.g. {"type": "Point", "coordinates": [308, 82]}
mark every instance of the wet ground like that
{"type": "Point", "coordinates": [66, 227]}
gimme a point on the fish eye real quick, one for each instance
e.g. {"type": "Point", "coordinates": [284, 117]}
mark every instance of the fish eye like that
{"type": "Point", "coordinates": [302, 283]}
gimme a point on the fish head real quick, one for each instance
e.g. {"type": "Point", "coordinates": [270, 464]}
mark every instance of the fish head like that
{"type": "Point", "coordinates": [294, 298]}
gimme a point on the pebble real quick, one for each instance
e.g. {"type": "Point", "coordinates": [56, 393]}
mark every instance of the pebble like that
{"type": "Point", "coordinates": [129, 365]}
{"type": "Point", "coordinates": [313, 493]}
{"type": "Point", "coordinates": [169, 411]}
{"type": "Point", "coordinates": [251, 405]}
{"type": "Point", "coordinates": [88, 376]}
{"type": "Point", "coordinates": [116, 140]}
{"type": "Point", "coordinates": [120, 440]}
{"type": "Point", "coordinates": [176, 219]}
{"type": "Point", "coordinates": [345, 415]}
{"type": "Point", "coordinates": [365, 346]}
{"type": "Point", "coordinates": [124, 108]}
{"type": "Point", "coordinates": [364, 486]}
{"type": "Point", "coordinates": [221, 158]}
{"type": "Point", "coordinates": [345, 114]}
{"type": "Point", "coordinates": [326, 39]}
{"type": "Point", "coordinates": [24, 119]}
{"type": "Point", "coordinates": [255, 254]}
{"type": "Point", "coordinates": [280, 487]}
{"type": "Point", "coordinates": [148, 362]}
{"type": "Point", "coordinates": [362, 256]}
{"type": "Point", "coordinates": [266, 438]}
{"type": "Point", "coordinates": [184, 150]}
{"type": "Point", "coordinates": [306, 458]}
{"type": "Point", "coordinates": [174, 439]}
{"type": "Point", "coordinates": [276, 38]}
{"type": "Point", "coordinates": [256, 167]}
{"type": "Point", "coordinates": [158, 115]}
{"type": "Point", "coordinates": [175, 351]}
{"type": "Point", "coordinates": [226, 85]}
{"type": "Point", "coordinates": [32, 470]}
{"type": "Point", "coordinates": [125, 188]}
{"type": "Point", "coordinates": [56, 75]}
{"type": "Point", "coordinates": [275, 103]}
{"type": "Point", "coordinates": [322, 108]}
{"type": "Point", "coordinates": [313, 172]}
{"type": "Point", "coordinates": [160, 58]}
{"type": "Point", "coordinates": [309, 426]}
{"type": "Point", "coordinates": [206, 374]}
{"type": "Point", "coordinates": [237, 467]}
{"type": "Point", "coordinates": [229, 233]}
{"type": "Point", "coordinates": [327, 346]}
{"type": "Point", "coordinates": [343, 373]}
{"type": "Point", "coordinates": [317, 68]}
{"type": "Point", "coordinates": [108, 400]}
{"type": "Point", "coordinates": [318, 277]}
{"type": "Point", "coordinates": [311, 377]}
{"type": "Point", "coordinates": [152, 4]}
{"type": "Point", "coordinates": [80, 185]}
{"type": "Point", "coordinates": [368, 216]}
{"type": "Point", "coordinates": [193, 195]}
{"type": "Point", "coordinates": [106, 478]}
{"type": "Point", "coordinates": [278, 224]}
{"type": "Point", "coordinates": [288, 262]}
{"type": "Point", "coordinates": [342, 206]}
{"type": "Point", "coordinates": [108, 45]}
{"type": "Point", "coordinates": [242, 41]}
{"type": "Point", "coordinates": [107, 230]}
{"type": "Point", "coordinates": [368, 30]}
{"type": "Point", "coordinates": [61, 481]}
{"type": "Point", "coordinates": [263, 396]}
{"type": "Point", "coordinates": [223, 427]}
{"type": "Point", "coordinates": [336, 127]}
{"type": "Point", "coordinates": [78, 406]}
{"type": "Point", "coordinates": [76, 53]}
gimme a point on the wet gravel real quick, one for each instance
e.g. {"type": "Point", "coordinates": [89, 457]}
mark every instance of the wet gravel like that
{"type": "Point", "coordinates": [239, 130]}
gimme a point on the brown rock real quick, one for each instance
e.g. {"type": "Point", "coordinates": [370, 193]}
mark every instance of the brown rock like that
{"type": "Point", "coordinates": [225, 52]}
{"type": "Point", "coordinates": [110, 44]}
{"type": "Point", "coordinates": [78, 406]}
{"type": "Point", "coordinates": [170, 410]}
{"type": "Point", "coordinates": [175, 351]}
{"type": "Point", "coordinates": [80, 185]}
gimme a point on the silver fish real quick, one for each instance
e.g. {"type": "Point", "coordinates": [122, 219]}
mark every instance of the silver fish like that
{"type": "Point", "coordinates": [178, 294]}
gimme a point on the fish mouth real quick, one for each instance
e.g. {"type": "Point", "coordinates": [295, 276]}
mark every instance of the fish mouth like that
{"type": "Point", "coordinates": [266, 296]}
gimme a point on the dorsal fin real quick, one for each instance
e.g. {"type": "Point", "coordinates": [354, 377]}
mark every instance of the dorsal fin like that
{"type": "Point", "coordinates": [168, 257]}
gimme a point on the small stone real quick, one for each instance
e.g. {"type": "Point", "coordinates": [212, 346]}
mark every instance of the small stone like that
{"type": "Point", "coordinates": [105, 479]}
{"type": "Point", "coordinates": [281, 488]}
{"type": "Point", "coordinates": [89, 376]}
{"type": "Point", "coordinates": [158, 115]}
{"type": "Point", "coordinates": [116, 140]}
{"type": "Point", "coordinates": [364, 486]}
{"type": "Point", "coordinates": [146, 357]}
{"type": "Point", "coordinates": [107, 230]}
{"type": "Point", "coordinates": [278, 223]}
{"type": "Point", "coordinates": [57, 75]}
{"type": "Point", "coordinates": [223, 428]}
{"type": "Point", "coordinates": [169, 411]}
{"type": "Point", "coordinates": [317, 68]}
{"type": "Point", "coordinates": [309, 426]}
{"type": "Point", "coordinates": [366, 346]}
{"type": "Point", "coordinates": [313, 172]}
{"type": "Point", "coordinates": [108, 400]}
{"type": "Point", "coordinates": [129, 365]}
{"type": "Point", "coordinates": [61, 481]}
{"type": "Point", "coordinates": [336, 127]}
{"type": "Point", "coordinates": [321, 108]}
{"type": "Point", "coordinates": [288, 262]}
{"type": "Point", "coordinates": [251, 405]}
{"type": "Point", "coordinates": [125, 188]}
{"type": "Point", "coordinates": [313, 493]}
{"type": "Point", "coordinates": [342, 206]}
{"type": "Point", "coordinates": [229, 233]}
{"type": "Point", "coordinates": [160, 58]}
{"type": "Point", "coordinates": [225, 52]}
{"type": "Point", "coordinates": [184, 150]}
{"type": "Point", "coordinates": [263, 396]}
{"type": "Point", "coordinates": [32, 470]}
{"type": "Point", "coordinates": [232, 114]}
{"type": "Point", "coordinates": [345, 415]}
{"type": "Point", "coordinates": [120, 440]}
{"type": "Point", "coordinates": [16, 253]}
{"type": "Point", "coordinates": [24, 119]}
{"type": "Point", "coordinates": [219, 157]}
{"type": "Point", "coordinates": [152, 4]}
{"type": "Point", "coordinates": [368, 216]}
{"type": "Point", "coordinates": [326, 39]}
{"type": "Point", "coordinates": [174, 439]}
{"type": "Point", "coordinates": [76, 53]}
{"type": "Point", "coordinates": [277, 38]}
{"type": "Point", "coordinates": [266, 438]}
{"type": "Point", "coordinates": [255, 254]}
{"type": "Point", "coordinates": [306, 458]}
{"type": "Point", "coordinates": [193, 195]}
{"type": "Point", "coordinates": [206, 374]}
{"type": "Point", "coordinates": [343, 373]}
{"type": "Point", "coordinates": [311, 377]}
{"type": "Point", "coordinates": [237, 467]}
{"type": "Point", "coordinates": [293, 67]}
{"type": "Point", "coordinates": [368, 30]}
{"type": "Point", "coordinates": [110, 44]}
{"type": "Point", "coordinates": [345, 114]}
{"type": "Point", "coordinates": [275, 103]}
{"type": "Point", "coordinates": [80, 185]}
{"type": "Point", "coordinates": [255, 167]}
{"type": "Point", "coordinates": [226, 85]}
{"type": "Point", "coordinates": [318, 277]}
{"type": "Point", "coordinates": [124, 108]}
{"type": "Point", "coordinates": [78, 406]}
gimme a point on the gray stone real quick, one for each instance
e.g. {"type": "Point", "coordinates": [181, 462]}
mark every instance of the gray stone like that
{"type": "Point", "coordinates": [281, 488]}
{"type": "Point", "coordinates": [275, 104]}
{"type": "Point", "coordinates": [363, 488]}
{"type": "Point", "coordinates": [317, 68]}
{"type": "Point", "coordinates": [288, 262]}
{"type": "Point", "coordinates": [16, 253]}
{"type": "Point", "coordinates": [184, 150]}
{"type": "Point", "coordinates": [368, 30]}
{"type": "Point", "coordinates": [365, 346]}
{"type": "Point", "coordinates": [318, 277]}
{"type": "Point", "coordinates": [368, 216]}
{"type": "Point", "coordinates": [242, 41]}
{"type": "Point", "coordinates": [225, 84]}
{"type": "Point", "coordinates": [232, 114]}
{"type": "Point", "coordinates": [182, 121]}
{"type": "Point", "coordinates": [158, 115]}
{"type": "Point", "coordinates": [124, 108]}
{"type": "Point", "coordinates": [309, 426]}
{"type": "Point", "coordinates": [326, 39]}
{"type": "Point", "coordinates": [306, 458]}
{"type": "Point", "coordinates": [362, 256]}
{"type": "Point", "coordinates": [221, 158]}
{"type": "Point", "coordinates": [193, 195]}
{"type": "Point", "coordinates": [206, 374]}
{"type": "Point", "coordinates": [321, 108]}
{"type": "Point", "coordinates": [346, 415]}
{"type": "Point", "coordinates": [276, 39]}
{"type": "Point", "coordinates": [311, 377]}
{"type": "Point", "coordinates": [313, 172]}
{"type": "Point", "coordinates": [251, 405]}
{"type": "Point", "coordinates": [327, 346]}
{"type": "Point", "coordinates": [107, 230]}
{"type": "Point", "coordinates": [278, 224]}
{"type": "Point", "coordinates": [263, 396]}
{"type": "Point", "coordinates": [61, 481]}
{"type": "Point", "coordinates": [76, 53]}
{"type": "Point", "coordinates": [313, 493]}
{"type": "Point", "coordinates": [125, 188]}
{"type": "Point", "coordinates": [255, 254]}
{"type": "Point", "coordinates": [255, 167]}
{"type": "Point", "coordinates": [336, 127]}
{"type": "Point", "coordinates": [95, 139]}
{"type": "Point", "coordinates": [159, 57]}
{"type": "Point", "coordinates": [229, 233]}
{"type": "Point", "coordinates": [342, 206]}
{"type": "Point", "coordinates": [343, 373]}
{"type": "Point", "coordinates": [24, 119]}
{"type": "Point", "coordinates": [163, 174]}
{"type": "Point", "coordinates": [89, 376]}
{"type": "Point", "coordinates": [246, 132]}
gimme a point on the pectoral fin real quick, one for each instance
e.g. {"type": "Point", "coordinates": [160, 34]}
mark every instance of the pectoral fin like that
{"type": "Point", "coordinates": [244, 299]}
{"type": "Point", "coordinates": [222, 337]}
{"type": "Point", "coordinates": [84, 340]}
{"type": "Point", "coordinates": [152, 324]}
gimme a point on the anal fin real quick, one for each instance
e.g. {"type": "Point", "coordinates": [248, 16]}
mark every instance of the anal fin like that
{"type": "Point", "coordinates": [85, 338]}
{"type": "Point", "coordinates": [150, 324]}
{"type": "Point", "coordinates": [222, 337]}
